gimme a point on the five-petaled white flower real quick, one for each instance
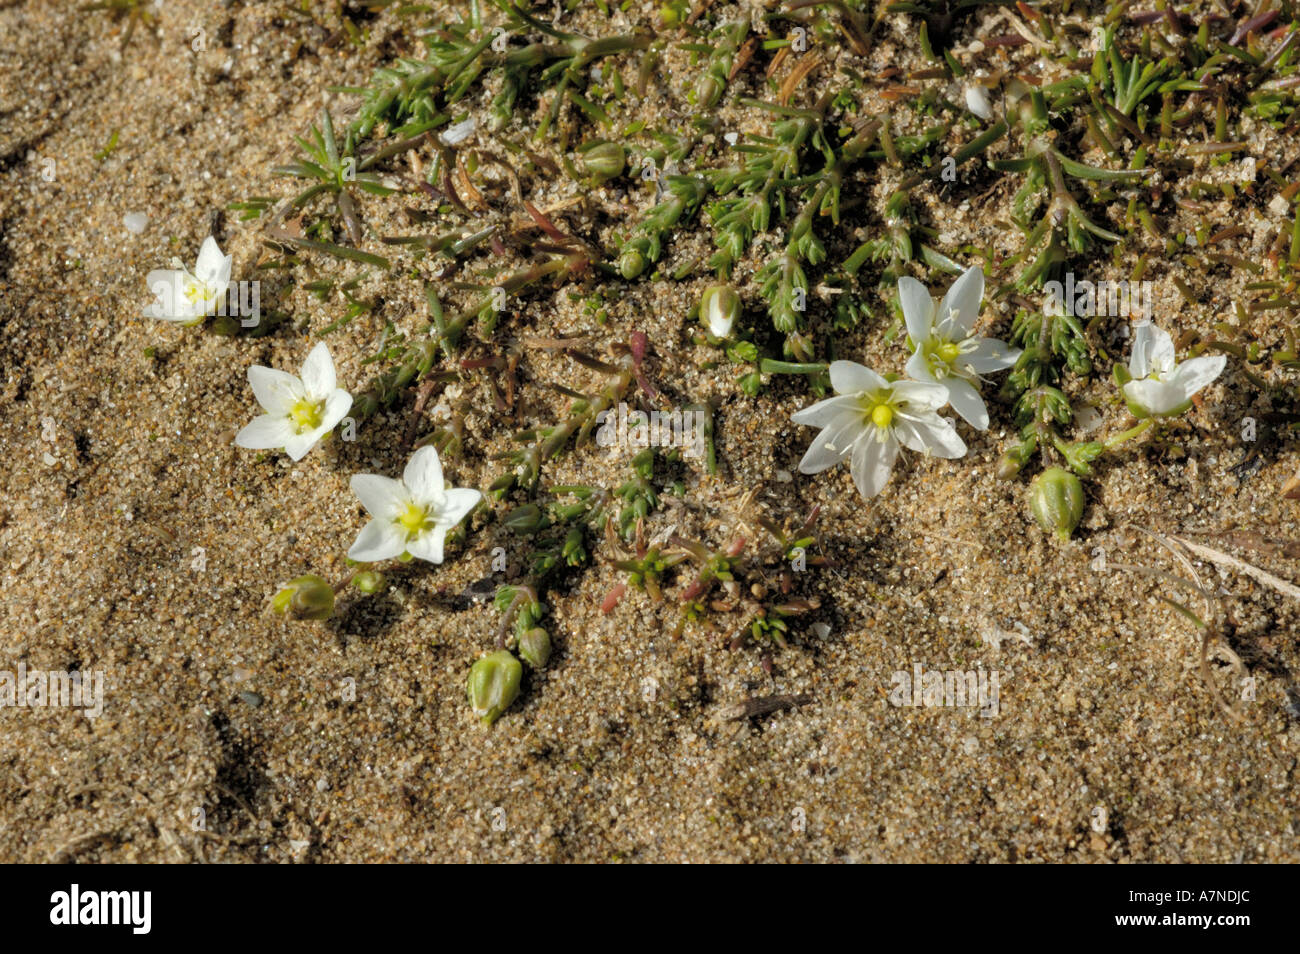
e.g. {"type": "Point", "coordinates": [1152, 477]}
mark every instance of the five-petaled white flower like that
{"type": "Point", "coordinates": [187, 297]}
{"type": "Point", "coordinates": [411, 515]}
{"type": "Point", "coordinates": [945, 351]}
{"type": "Point", "coordinates": [869, 417]}
{"type": "Point", "coordinates": [1161, 387]}
{"type": "Point", "coordinates": [299, 411]}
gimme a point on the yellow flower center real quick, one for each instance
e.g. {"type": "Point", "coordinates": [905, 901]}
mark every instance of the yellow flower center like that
{"type": "Point", "coordinates": [306, 415]}
{"type": "Point", "coordinates": [413, 518]}
{"type": "Point", "coordinates": [197, 291]}
{"type": "Point", "coordinates": [882, 415]}
{"type": "Point", "coordinates": [948, 352]}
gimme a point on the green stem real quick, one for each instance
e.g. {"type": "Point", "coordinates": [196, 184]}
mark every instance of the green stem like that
{"type": "Point", "coordinates": [1131, 433]}
{"type": "Point", "coordinates": [772, 366]}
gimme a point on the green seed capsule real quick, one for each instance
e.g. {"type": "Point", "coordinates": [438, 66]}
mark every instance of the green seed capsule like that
{"type": "Point", "coordinates": [494, 684]}
{"type": "Point", "coordinates": [307, 597]}
{"type": "Point", "coordinates": [605, 161]}
{"type": "Point", "coordinates": [708, 90]}
{"type": "Point", "coordinates": [631, 263]}
{"type": "Point", "coordinates": [535, 647]}
{"type": "Point", "coordinates": [1056, 499]}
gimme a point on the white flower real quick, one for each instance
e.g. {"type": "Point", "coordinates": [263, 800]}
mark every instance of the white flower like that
{"type": "Point", "coordinates": [946, 352]}
{"type": "Point", "coordinates": [1161, 387]}
{"type": "Point", "coordinates": [185, 297]}
{"type": "Point", "coordinates": [977, 101]}
{"type": "Point", "coordinates": [299, 411]}
{"type": "Point", "coordinates": [869, 417]}
{"type": "Point", "coordinates": [411, 515]}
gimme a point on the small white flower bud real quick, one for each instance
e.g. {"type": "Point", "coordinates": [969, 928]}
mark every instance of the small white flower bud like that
{"type": "Point", "coordinates": [719, 309]}
{"type": "Point", "coordinates": [977, 101]}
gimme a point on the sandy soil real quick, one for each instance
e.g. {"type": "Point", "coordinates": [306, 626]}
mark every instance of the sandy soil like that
{"type": "Point", "coordinates": [135, 539]}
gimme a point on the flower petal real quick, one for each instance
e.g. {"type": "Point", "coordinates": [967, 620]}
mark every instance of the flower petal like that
{"type": "Point", "coordinates": [989, 354]}
{"type": "Point", "coordinates": [166, 285]}
{"type": "Point", "coordinates": [966, 401]}
{"type": "Point", "coordinates": [277, 391]}
{"type": "Point", "coordinates": [918, 308]}
{"type": "Point", "coordinates": [849, 377]}
{"type": "Point", "coordinates": [832, 445]}
{"type": "Point", "coordinates": [1196, 373]}
{"type": "Point", "coordinates": [1158, 398]}
{"type": "Point", "coordinates": [337, 406]}
{"type": "Point", "coordinates": [917, 367]}
{"type": "Point", "coordinates": [383, 497]}
{"type": "Point", "coordinates": [172, 278]}
{"type": "Point", "coordinates": [265, 433]}
{"type": "Point", "coordinates": [871, 464]}
{"type": "Point", "coordinates": [931, 434]}
{"type": "Point", "coordinates": [823, 412]}
{"type": "Point", "coordinates": [166, 314]}
{"type": "Point", "coordinates": [378, 540]}
{"type": "Point", "coordinates": [318, 373]}
{"type": "Point", "coordinates": [1153, 351]}
{"type": "Point", "coordinates": [920, 395]}
{"type": "Point", "coordinates": [212, 267]}
{"type": "Point", "coordinates": [428, 546]}
{"type": "Point", "coordinates": [1162, 351]}
{"type": "Point", "coordinates": [456, 503]}
{"type": "Point", "coordinates": [961, 306]}
{"type": "Point", "coordinates": [299, 444]}
{"type": "Point", "coordinates": [423, 476]}
{"type": "Point", "coordinates": [1139, 359]}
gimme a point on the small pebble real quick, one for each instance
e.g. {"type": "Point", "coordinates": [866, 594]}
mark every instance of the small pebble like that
{"type": "Point", "coordinates": [135, 222]}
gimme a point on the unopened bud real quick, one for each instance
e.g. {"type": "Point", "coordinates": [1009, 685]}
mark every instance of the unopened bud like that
{"type": "Point", "coordinates": [719, 309]}
{"type": "Point", "coordinates": [1009, 465]}
{"type": "Point", "coordinates": [605, 161]}
{"type": "Point", "coordinates": [224, 325]}
{"type": "Point", "coordinates": [307, 597]}
{"type": "Point", "coordinates": [708, 90]}
{"type": "Point", "coordinates": [669, 15]}
{"type": "Point", "coordinates": [631, 263]}
{"type": "Point", "coordinates": [977, 101]}
{"type": "Point", "coordinates": [1056, 499]}
{"type": "Point", "coordinates": [494, 684]}
{"type": "Point", "coordinates": [535, 647]}
{"type": "Point", "coordinates": [369, 581]}
{"type": "Point", "coordinates": [525, 519]}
